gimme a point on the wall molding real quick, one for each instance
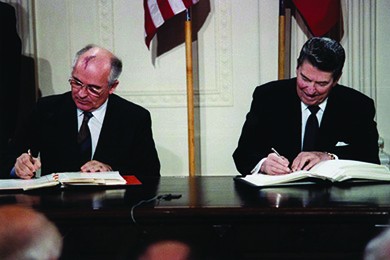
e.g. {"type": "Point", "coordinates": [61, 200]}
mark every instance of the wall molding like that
{"type": "Point", "coordinates": [220, 93]}
{"type": "Point", "coordinates": [106, 23]}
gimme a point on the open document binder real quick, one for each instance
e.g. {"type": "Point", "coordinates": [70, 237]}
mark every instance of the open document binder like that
{"type": "Point", "coordinates": [332, 170]}
{"type": "Point", "coordinates": [64, 178]}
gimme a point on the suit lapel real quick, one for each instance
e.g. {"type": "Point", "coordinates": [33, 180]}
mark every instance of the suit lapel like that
{"type": "Point", "coordinates": [295, 120]}
{"type": "Point", "coordinates": [59, 133]}
{"type": "Point", "coordinates": [67, 121]}
{"type": "Point", "coordinates": [329, 123]}
{"type": "Point", "coordinates": [107, 128]}
{"type": "Point", "coordinates": [296, 131]}
{"type": "Point", "coordinates": [289, 132]}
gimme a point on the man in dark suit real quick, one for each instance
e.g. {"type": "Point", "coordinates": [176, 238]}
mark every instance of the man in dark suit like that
{"type": "Point", "coordinates": [116, 135]}
{"type": "Point", "coordinates": [273, 138]}
{"type": "Point", "coordinates": [10, 59]}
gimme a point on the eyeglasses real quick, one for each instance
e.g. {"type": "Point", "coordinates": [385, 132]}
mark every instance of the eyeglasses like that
{"type": "Point", "coordinates": [92, 89]}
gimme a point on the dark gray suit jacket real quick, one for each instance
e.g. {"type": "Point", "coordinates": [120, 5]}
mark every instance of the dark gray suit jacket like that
{"type": "Point", "coordinates": [274, 120]}
{"type": "Point", "coordinates": [125, 142]}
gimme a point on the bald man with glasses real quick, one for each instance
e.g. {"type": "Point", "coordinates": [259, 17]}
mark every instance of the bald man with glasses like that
{"type": "Point", "coordinates": [89, 128]}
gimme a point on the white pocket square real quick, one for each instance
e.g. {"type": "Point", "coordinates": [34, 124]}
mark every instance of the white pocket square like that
{"type": "Point", "coordinates": [341, 144]}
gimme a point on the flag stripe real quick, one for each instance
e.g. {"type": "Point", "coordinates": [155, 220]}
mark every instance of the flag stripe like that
{"type": "Point", "coordinates": [188, 3]}
{"type": "Point", "coordinates": [165, 9]}
{"type": "Point", "coordinates": [150, 28]}
{"type": "Point", "coordinates": [158, 11]}
{"type": "Point", "coordinates": [155, 13]}
{"type": "Point", "coordinates": [148, 20]}
{"type": "Point", "coordinates": [177, 6]}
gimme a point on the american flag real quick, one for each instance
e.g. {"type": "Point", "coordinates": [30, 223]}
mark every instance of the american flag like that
{"type": "Point", "coordinates": [158, 11]}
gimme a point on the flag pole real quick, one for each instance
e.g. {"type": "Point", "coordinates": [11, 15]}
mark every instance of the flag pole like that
{"type": "Point", "coordinates": [190, 94]}
{"type": "Point", "coordinates": [282, 39]}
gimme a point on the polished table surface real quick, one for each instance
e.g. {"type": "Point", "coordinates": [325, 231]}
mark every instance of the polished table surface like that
{"type": "Point", "coordinates": [216, 215]}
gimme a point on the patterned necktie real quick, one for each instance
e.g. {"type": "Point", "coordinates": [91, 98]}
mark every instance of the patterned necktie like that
{"type": "Point", "coordinates": [311, 130]}
{"type": "Point", "coordinates": [84, 139]}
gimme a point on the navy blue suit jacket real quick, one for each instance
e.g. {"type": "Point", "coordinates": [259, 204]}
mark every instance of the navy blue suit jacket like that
{"type": "Point", "coordinates": [274, 120]}
{"type": "Point", "coordinates": [125, 142]}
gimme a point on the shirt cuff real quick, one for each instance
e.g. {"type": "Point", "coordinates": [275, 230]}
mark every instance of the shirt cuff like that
{"type": "Point", "coordinates": [13, 173]}
{"type": "Point", "coordinates": [257, 168]}
{"type": "Point", "coordinates": [332, 156]}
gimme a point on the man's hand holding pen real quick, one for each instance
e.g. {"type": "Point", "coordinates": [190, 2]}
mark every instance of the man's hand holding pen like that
{"type": "Point", "coordinates": [275, 164]}
{"type": "Point", "coordinates": [26, 166]}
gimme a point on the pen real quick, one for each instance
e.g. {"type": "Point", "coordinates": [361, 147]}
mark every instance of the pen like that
{"type": "Point", "coordinates": [31, 158]}
{"type": "Point", "coordinates": [29, 154]}
{"type": "Point", "coordinates": [276, 152]}
{"type": "Point", "coordinates": [273, 149]}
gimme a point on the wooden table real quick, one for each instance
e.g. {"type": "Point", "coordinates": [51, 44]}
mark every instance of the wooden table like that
{"type": "Point", "coordinates": [217, 217]}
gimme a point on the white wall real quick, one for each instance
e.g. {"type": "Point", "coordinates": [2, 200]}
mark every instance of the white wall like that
{"type": "Point", "coordinates": [383, 70]}
{"type": "Point", "coordinates": [237, 50]}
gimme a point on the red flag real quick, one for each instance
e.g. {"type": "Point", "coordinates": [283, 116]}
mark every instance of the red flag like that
{"type": "Point", "coordinates": [158, 11]}
{"type": "Point", "coordinates": [320, 16]}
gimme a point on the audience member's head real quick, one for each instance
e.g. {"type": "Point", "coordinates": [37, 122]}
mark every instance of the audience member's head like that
{"type": "Point", "coordinates": [379, 247]}
{"type": "Point", "coordinates": [27, 235]}
{"type": "Point", "coordinates": [167, 250]}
